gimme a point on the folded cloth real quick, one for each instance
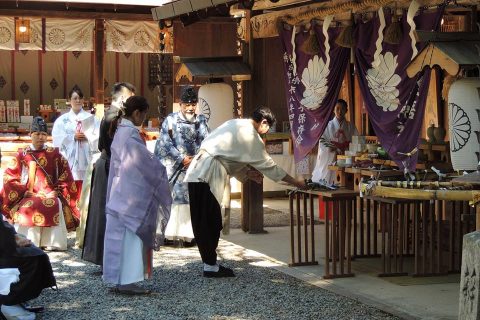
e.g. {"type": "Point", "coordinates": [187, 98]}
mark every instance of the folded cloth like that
{"type": "Point", "coordinates": [7, 277]}
{"type": "Point", "coordinates": [17, 312]}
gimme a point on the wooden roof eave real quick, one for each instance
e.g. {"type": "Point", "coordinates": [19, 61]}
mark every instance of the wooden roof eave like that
{"type": "Point", "coordinates": [451, 51]}
{"type": "Point", "coordinates": [212, 67]}
{"type": "Point", "coordinates": [431, 56]}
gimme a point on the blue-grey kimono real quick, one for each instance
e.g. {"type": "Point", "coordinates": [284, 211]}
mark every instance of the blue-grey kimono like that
{"type": "Point", "coordinates": [179, 138]}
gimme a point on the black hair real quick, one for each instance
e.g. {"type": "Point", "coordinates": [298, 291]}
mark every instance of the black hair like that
{"type": "Point", "coordinates": [118, 88]}
{"type": "Point", "coordinates": [263, 113]}
{"type": "Point", "coordinates": [76, 89]}
{"type": "Point", "coordinates": [343, 103]}
{"type": "Point", "coordinates": [133, 103]}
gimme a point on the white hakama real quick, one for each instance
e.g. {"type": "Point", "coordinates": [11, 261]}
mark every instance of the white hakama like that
{"type": "Point", "coordinates": [53, 237]}
{"type": "Point", "coordinates": [179, 225]}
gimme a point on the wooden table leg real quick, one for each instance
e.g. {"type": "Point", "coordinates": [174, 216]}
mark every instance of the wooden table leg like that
{"type": "Point", "coordinates": [292, 230]}
{"type": "Point", "coordinates": [327, 241]}
{"type": "Point", "coordinates": [312, 227]}
{"type": "Point", "coordinates": [334, 238]}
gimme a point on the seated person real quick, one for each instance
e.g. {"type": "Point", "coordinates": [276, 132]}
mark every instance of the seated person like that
{"type": "Point", "coordinates": [40, 195]}
{"type": "Point", "coordinates": [35, 273]}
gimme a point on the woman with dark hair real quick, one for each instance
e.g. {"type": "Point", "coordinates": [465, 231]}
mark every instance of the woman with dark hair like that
{"type": "Point", "coordinates": [76, 135]}
{"type": "Point", "coordinates": [136, 200]}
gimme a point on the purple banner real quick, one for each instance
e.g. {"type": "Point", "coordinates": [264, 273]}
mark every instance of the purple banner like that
{"type": "Point", "coordinates": [312, 84]}
{"type": "Point", "coordinates": [395, 103]}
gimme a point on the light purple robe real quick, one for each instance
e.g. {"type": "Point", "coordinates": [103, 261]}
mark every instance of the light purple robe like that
{"type": "Point", "coordinates": [138, 196]}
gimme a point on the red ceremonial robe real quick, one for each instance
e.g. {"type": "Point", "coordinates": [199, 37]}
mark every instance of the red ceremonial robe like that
{"type": "Point", "coordinates": [52, 173]}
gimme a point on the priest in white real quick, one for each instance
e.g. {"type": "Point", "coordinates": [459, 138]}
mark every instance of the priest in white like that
{"type": "Point", "coordinates": [335, 140]}
{"type": "Point", "coordinates": [233, 149]}
{"type": "Point", "coordinates": [76, 135]}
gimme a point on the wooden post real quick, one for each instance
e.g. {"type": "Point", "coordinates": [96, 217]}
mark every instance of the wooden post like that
{"type": "Point", "coordinates": [252, 193]}
{"type": "Point", "coordinates": [477, 208]}
{"type": "Point", "coordinates": [356, 109]}
{"type": "Point", "coordinates": [99, 52]}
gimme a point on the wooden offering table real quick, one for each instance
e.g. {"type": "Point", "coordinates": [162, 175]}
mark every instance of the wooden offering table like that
{"type": "Point", "coordinates": [338, 231]}
{"type": "Point", "coordinates": [428, 223]}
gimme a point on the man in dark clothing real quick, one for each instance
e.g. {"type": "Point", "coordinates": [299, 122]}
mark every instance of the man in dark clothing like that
{"type": "Point", "coordinates": [35, 273]}
{"type": "Point", "coordinates": [96, 220]}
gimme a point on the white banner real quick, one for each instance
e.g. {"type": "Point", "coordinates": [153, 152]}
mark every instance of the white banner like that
{"type": "Point", "coordinates": [132, 36]}
{"type": "Point", "coordinates": [69, 35]}
{"type": "Point", "coordinates": [7, 33]}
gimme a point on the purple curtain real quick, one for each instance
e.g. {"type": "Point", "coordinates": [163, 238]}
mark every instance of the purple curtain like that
{"type": "Point", "coordinates": [395, 103]}
{"type": "Point", "coordinates": [312, 84]}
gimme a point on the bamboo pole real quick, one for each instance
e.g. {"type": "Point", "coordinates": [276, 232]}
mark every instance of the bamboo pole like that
{"type": "Point", "coordinates": [424, 184]}
{"type": "Point", "coordinates": [449, 195]}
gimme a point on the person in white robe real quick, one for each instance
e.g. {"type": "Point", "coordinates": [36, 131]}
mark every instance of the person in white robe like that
{"type": "Point", "coordinates": [138, 195]}
{"type": "Point", "coordinates": [335, 140]}
{"type": "Point", "coordinates": [233, 149]}
{"type": "Point", "coordinates": [75, 133]}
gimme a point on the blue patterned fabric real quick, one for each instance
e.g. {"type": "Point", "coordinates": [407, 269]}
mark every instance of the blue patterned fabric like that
{"type": "Point", "coordinates": [179, 138]}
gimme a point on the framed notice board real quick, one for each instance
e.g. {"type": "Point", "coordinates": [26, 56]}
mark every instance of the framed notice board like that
{"type": "Point", "coordinates": [157, 68]}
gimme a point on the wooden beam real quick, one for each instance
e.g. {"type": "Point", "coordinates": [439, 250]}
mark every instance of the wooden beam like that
{"type": "Point", "coordinates": [75, 15]}
{"type": "Point", "coordinates": [267, 4]}
{"type": "Point", "coordinates": [99, 52]}
{"type": "Point", "coordinates": [265, 25]}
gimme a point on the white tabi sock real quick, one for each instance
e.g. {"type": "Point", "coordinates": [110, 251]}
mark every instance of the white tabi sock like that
{"type": "Point", "coordinates": [208, 267]}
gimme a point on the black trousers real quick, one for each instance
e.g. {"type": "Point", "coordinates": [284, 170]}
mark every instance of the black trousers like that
{"type": "Point", "coordinates": [35, 275]}
{"type": "Point", "coordinates": [96, 219]}
{"type": "Point", "coordinates": [206, 220]}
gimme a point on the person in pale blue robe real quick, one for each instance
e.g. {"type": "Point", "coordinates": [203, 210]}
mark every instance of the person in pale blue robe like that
{"type": "Point", "coordinates": [138, 203]}
{"type": "Point", "coordinates": [180, 138]}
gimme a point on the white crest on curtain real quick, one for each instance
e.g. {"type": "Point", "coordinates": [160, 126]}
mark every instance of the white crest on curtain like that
{"type": "Point", "coordinates": [314, 76]}
{"type": "Point", "coordinates": [7, 33]}
{"type": "Point", "coordinates": [35, 36]}
{"type": "Point", "coordinates": [132, 36]}
{"type": "Point", "coordinates": [69, 35]}
{"type": "Point", "coordinates": [383, 82]}
{"type": "Point", "coordinates": [412, 9]}
{"type": "Point", "coordinates": [382, 78]}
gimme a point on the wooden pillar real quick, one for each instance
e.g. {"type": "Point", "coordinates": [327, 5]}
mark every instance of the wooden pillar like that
{"type": "Point", "coordinates": [252, 193]}
{"type": "Point", "coordinates": [477, 209]}
{"type": "Point", "coordinates": [99, 53]}
{"type": "Point", "coordinates": [358, 106]}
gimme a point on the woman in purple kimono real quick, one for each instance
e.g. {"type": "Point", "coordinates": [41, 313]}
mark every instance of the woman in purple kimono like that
{"type": "Point", "coordinates": [136, 200]}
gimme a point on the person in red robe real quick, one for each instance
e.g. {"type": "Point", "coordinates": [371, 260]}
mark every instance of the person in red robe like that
{"type": "Point", "coordinates": [40, 195]}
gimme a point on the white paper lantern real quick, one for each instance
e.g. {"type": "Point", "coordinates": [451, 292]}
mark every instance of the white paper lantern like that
{"type": "Point", "coordinates": [215, 101]}
{"type": "Point", "coordinates": [464, 123]}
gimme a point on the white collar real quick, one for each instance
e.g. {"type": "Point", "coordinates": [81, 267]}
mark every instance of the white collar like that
{"type": "Point", "coordinates": [81, 115]}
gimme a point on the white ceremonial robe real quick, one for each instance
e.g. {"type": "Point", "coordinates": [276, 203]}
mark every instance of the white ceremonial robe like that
{"type": "Point", "coordinates": [52, 237]}
{"type": "Point", "coordinates": [227, 151]}
{"type": "Point", "coordinates": [337, 132]}
{"type": "Point", "coordinates": [77, 153]}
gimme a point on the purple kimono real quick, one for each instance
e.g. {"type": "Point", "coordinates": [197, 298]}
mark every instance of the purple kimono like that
{"type": "Point", "coordinates": [138, 196]}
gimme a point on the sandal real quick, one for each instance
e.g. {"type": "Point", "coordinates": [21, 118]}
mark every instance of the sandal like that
{"type": "Point", "coordinates": [130, 290]}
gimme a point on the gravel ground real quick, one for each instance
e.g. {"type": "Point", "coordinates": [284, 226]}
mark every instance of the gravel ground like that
{"type": "Point", "coordinates": [271, 218]}
{"type": "Point", "coordinates": [258, 291]}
